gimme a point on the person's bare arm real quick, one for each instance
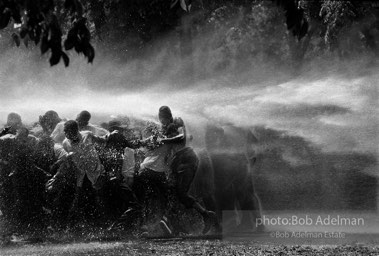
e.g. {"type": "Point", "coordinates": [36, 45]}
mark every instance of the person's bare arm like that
{"type": "Point", "coordinates": [144, 142]}
{"type": "Point", "coordinates": [178, 138]}
{"type": "Point", "coordinates": [102, 139]}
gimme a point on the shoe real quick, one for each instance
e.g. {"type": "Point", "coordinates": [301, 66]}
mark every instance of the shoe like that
{"type": "Point", "coordinates": [144, 228]}
{"type": "Point", "coordinates": [112, 226]}
{"type": "Point", "coordinates": [166, 230]}
{"type": "Point", "coordinates": [126, 219]}
{"type": "Point", "coordinates": [128, 214]}
{"type": "Point", "coordinates": [209, 218]}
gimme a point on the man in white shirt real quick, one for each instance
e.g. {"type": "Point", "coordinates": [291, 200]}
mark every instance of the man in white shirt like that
{"type": "Point", "coordinates": [86, 159]}
{"type": "Point", "coordinates": [183, 164]}
{"type": "Point", "coordinates": [83, 121]}
{"type": "Point", "coordinates": [154, 167]}
{"type": "Point", "coordinates": [82, 118]}
{"type": "Point", "coordinates": [58, 135]}
{"type": "Point", "coordinates": [47, 124]}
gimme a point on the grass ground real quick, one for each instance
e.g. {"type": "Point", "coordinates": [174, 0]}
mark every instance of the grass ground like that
{"type": "Point", "coordinates": [95, 241]}
{"type": "Point", "coordinates": [205, 245]}
{"type": "Point", "coordinates": [185, 247]}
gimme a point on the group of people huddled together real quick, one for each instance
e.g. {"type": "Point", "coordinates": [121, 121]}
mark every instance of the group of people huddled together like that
{"type": "Point", "coordinates": [63, 172]}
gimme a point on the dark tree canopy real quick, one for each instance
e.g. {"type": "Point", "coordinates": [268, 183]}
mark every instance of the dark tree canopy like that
{"type": "Point", "coordinates": [62, 25]}
{"type": "Point", "coordinates": [47, 22]}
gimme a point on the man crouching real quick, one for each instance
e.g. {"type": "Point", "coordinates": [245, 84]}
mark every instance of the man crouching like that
{"type": "Point", "coordinates": [87, 163]}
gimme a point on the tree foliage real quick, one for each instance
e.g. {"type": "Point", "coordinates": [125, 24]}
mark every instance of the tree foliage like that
{"type": "Point", "coordinates": [62, 25]}
{"type": "Point", "coordinates": [42, 21]}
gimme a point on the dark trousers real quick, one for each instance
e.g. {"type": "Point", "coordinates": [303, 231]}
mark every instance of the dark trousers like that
{"type": "Point", "coordinates": [150, 184]}
{"type": "Point", "coordinates": [184, 168]}
{"type": "Point", "coordinates": [88, 202]}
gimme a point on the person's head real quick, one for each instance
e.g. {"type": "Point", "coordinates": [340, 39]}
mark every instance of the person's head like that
{"type": "Point", "coordinates": [14, 120]}
{"type": "Point", "coordinates": [165, 115]}
{"type": "Point", "coordinates": [49, 120]}
{"type": "Point", "coordinates": [71, 130]}
{"type": "Point", "coordinates": [171, 130]}
{"type": "Point", "coordinates": [22, 133]}
{"type": "Point", "coordinates": [83, 118]}
{"type": "Point", "coordinates": [104, 125]}
{"type": "Point", "coordinates": [116, 125]}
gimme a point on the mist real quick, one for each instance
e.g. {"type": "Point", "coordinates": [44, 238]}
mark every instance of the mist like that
{"type": "Point", "coordinates": [327, 107]}
{"type": "Point", "coordinates": [337, 111]}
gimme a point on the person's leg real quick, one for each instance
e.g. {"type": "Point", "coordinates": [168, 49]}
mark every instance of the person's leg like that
{"type": "Point", "coordinates": [73, 214]}
{"type": "Point", "coordinates": [184, 171]}
{"type": "Point", "coordinates": [20, 199]}
{"type": "Point", "coordinates": [158, 199]}
{"type": "Point", "coordinates": [183, 182]}
{"type": "Point", "coordinates": [139, 186]}
{"type": "Point", "coordinates": [131, 208]}
{"type": "Point", "coordinates": [144, 191]}
{"type": "Point", "coordinates": [8, 202]}
{"type": "Point", "coordinates": [128, 197]}
{"type": "Point", "coordinates": [165, 206]}
{"type": "Point", "coordinates": [225, 199]}
{"type": "Point", "coordinates": [162, 188]}
{"type": "Point", "coordinates": [99, 190]}
{"type": "Point", "coordinates": [249, 203]}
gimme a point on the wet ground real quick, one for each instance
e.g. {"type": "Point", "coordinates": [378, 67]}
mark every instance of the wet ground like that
{"type": "Point", "coordinates": [273, 240]}
{"type": "Point", "coordinates": [186, 247]}
{"type": "Point", "coordinates": [237, 245]}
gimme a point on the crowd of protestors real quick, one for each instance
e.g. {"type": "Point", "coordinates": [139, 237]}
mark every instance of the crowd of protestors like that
{"type": "Point", "coordinates": [63, 172]}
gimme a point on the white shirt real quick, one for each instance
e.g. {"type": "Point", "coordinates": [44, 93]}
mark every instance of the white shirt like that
{"type": "Point", "coordinates": [156, 159]}
{"type": "Point", "coordinates": [128, 164]}
{"type": "Point", "coordinates": [96, 130]}
{"type": "Point", "coordinates": [85, 157]}
{"type": "Point", "coordinates": [58, 134]}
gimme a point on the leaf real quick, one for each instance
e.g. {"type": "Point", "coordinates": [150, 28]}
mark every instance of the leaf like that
{"type": "Point", "coordinates": [65, 58]}
{"type": "Point", "coordinates": [44, 44]}
{"type": "Point", "coordinates": [26, 42]}
{"type": "Point", "coordinates": [4, 18]}
{"type": "Point", "coordinates": [90, 53]}
{"type": "Point", "coordinates": [85, 35]}
{"type": "Point", "coordinates": [55, 57]}
{"type": "Point", "coordinates": [303, 30]}
{"type": "Point", "coordinates": [173, 3]}
{"type": "Point", "coordinates": [291, 19]}
{"type": "Point", "coordinates": [69, 4]}
{"type": "Point", "coordinates": [23, 32]}
{"type": "Point", "coordinates": [16, 39]}
{"type": "Point", "coordinates": [38, 35]}
{"type": "Point", "coordinates": [56, 32]}
{"type": "Point", "coordinates": [31, 34]}
{"type": "Point", "coordinates": [82, 30]}
{"type": "Point", "coordinates": [74, 6]}
{"type": "Point", "coordinates": [186, 5]}
{"type": "Point", "coordinates": [71, 40]}
{"type": "Point", "coordinates": [79, 48]}
{"type": "Point", "coordinates": [16, 14]}
{"type": "Point", "coordinates": [78, 7]}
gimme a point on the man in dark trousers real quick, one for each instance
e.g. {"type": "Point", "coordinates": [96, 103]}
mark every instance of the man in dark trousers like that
{"type": "Point", "coordinates": [87, 162]}
{"type": "Point", "coordinates": [183, 164]}
{"type": "Point", "coordinates": [21, 181]}
{"type": "Point", "coordinates": [119, 193]}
